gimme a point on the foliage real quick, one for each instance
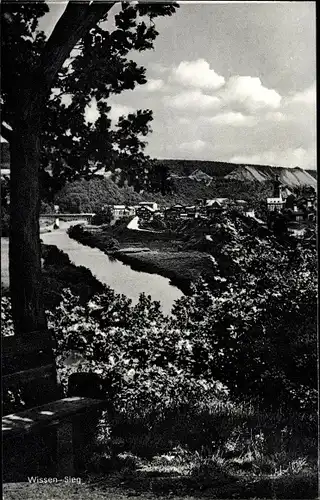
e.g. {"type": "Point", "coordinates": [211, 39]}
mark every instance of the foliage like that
{"type": "Point", "coordinates": [60, 273]}
{"type": "Point", "coordinates": [102, 217]}
{"type": "Point", "coordinates": [182, 381]}
{"type": "Point", "coordinates": [92, 195]}
{"type": "Point", "coordinates": [264, 320]}
{"type": "Point", "coordinates": [97, 67]}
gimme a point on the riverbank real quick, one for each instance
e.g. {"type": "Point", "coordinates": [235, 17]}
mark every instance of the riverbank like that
{"type": "Point", "coordinates": [165, 258]}
{"type": "Point", "coordinates": [182, 268]}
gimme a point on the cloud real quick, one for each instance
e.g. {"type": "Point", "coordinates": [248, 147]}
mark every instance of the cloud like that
{"type": "Point", "coordinates": [192, 146]}
{"type": "Point", "coordinates": [152, 85]}
{"type": "Point", "coordinates": [184, 121]}
{"type": "Point", "coordinates": [275, 116]}
{"type": "Point", "coordinates": [233, 119]}
{"type": "Point", "coordinates": [91, 112]}
{"type": "Point", "coordinates": [249, 93]}
{"type": "Point", "coordinates": [118, 110]}
{"type": "Point", "coordinates": [192, 100]}
{"type": "Point", "coordinates": [158, 68]}
{"type": "Point", "coordinates": [307, 96]}
{"type": "Point", "coordinates": [291, 157]}
{"type": "Point", "coordinates": [197, 74]}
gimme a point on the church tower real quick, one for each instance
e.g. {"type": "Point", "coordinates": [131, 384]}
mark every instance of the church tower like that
{"type": "Point", "coordinates": [277, 187]}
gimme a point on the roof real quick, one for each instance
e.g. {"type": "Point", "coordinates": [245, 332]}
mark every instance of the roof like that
{"type": "Point", "coordinates": [215, 200]}
{"type": "Point", "coordinates": [146, 207]}
{"type": "Point", "coordinates": [5, 172]}
{"type": "Point", "coordinates": [275, 200]}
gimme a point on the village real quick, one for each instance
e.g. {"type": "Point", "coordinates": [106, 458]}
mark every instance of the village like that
{"type": "Point", "coordinates": [298, 212]}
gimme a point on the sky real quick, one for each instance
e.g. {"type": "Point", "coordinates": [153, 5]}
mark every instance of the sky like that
{"type": "Point", "coordinates": [228, 82]}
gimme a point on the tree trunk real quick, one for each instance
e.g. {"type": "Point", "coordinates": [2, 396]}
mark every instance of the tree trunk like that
{"type": "Point", "coordinates": [24, 247]}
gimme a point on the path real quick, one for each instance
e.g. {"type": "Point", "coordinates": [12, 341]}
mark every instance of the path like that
{"type": "Point", "coordinates": [133, 224]}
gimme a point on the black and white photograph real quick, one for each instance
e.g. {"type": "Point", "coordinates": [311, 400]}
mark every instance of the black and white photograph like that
{"type": "Point", "coordinates": [159, 274]}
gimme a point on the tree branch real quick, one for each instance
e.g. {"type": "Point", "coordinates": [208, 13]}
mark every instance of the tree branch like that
{"type": "Point", "coordinates": [74, 23]}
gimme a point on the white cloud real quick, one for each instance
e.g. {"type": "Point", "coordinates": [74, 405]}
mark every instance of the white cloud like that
{"type": "Point", "coordinates": [192, 100]}
{"type": "Point", "coordinates": [153, 85]}
{"type": "Point", "coordinates": [197, 74]}
{"type": "Point", "coordinates": [233, 119]}
{"type": "Point", "coordinates": [249, 93]}
{"type": "Point", "coordinates": [118, 110]}
{"type": "Point", "coordinates": [192, 146]}
{"type": "Point", "coordinates": [291, 157]}
{"type": "Point", "coordinates": [91, 112]}
{"type": "Point", "coordinates": [307, 96]}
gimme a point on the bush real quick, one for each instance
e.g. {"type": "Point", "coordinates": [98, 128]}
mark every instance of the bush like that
{"type": "Point", "coordinates": [102, 217]}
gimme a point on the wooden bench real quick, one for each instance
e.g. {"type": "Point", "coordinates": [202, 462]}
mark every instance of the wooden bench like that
{"type": "Point", "coordinates": [53, 435]}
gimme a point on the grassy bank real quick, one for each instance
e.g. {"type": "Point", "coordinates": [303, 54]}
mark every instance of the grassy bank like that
{"type": "Point", "coordinates": [181, 268]}
{"type": "Point", "coordinates": [166, 257]}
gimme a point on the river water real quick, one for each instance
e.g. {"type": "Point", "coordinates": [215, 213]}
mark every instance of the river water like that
{"type": "Point", "coordinates": [120, 277]}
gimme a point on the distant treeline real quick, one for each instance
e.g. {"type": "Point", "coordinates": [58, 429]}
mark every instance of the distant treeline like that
{"type": "Point", "coordinates": [91, 195]}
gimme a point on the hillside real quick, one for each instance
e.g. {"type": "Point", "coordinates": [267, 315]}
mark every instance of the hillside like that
{"type": "Point", "coordinates": [289, 176]}
{"type": "Point", "coordinates": [91, 195]}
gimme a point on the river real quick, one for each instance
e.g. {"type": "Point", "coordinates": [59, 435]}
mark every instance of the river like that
{"type": "Point", "coordinates": [120, 277]}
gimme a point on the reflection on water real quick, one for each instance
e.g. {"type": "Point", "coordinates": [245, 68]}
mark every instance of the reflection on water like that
{"type": "Point", "coordinates": [108, 270]}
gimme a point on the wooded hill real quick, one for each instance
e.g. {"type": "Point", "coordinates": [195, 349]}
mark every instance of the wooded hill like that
{"type": "Point", "coordinates": [91, 195]}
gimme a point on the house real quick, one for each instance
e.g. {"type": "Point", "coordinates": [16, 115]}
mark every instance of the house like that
{"type": "Point", "coordinates": [118, 211]}
{"type": "Point", "coordinates": [150, 204]}
{"type": "Point", "coordinates": [295, 229]}
{"type": "Point", "coordinates": [219, 201]}
{"type": "Point", "coordinates": [192, 212]}
{"type": "Point", "coordinates": [174, 212]}
{"type": "Point", "coordinates": [5, 173]}
{"type": "Point", "coordinates": [249, 213]}
{"type": "Point", "coordinates": [130, 211]}
{"type": "Point", "coordinates": [213, 209]}
{"type": "Point", "coordinates": [145, 212]}
{"type": "Point", "coordinates": [298, 215]}
{"type": "Point", "coordinates": [275, 204]}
